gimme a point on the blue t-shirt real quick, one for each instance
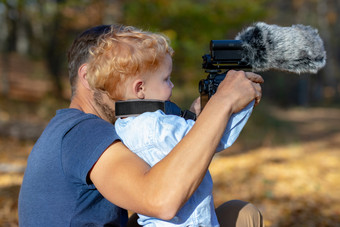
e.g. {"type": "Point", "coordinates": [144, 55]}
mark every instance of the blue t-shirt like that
{"type": "Point", "coordinates": [56, 190]}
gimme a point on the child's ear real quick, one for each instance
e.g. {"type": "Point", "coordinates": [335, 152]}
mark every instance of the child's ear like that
{"type": "Point", "coordinates": [138, 89]}
{"type": "Point", "coordinates": [82, 72]}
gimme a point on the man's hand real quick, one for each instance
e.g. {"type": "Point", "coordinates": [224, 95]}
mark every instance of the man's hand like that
{"type": "Point", "coordinates": [257, 80]}
{"type": "Point", "coordinates": [239, 88]}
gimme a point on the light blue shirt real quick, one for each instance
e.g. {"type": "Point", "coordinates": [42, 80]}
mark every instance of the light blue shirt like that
{"type": "Point", "coordinates": [152, 135]}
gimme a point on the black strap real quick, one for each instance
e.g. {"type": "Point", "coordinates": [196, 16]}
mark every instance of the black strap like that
{"type": "Point", "coordinates": [135, 107]}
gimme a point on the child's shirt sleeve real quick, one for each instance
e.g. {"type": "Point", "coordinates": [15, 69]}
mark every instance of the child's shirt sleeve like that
{"type": "Point", "coordinates": [236, 123]}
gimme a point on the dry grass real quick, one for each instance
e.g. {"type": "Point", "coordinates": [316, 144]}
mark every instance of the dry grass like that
{"type": "Point", "coordinates": [294, 183]}
{"type": "Point", "coordinates": [13, 155]}
{"type": "Point", "coordinates": [286, 162]}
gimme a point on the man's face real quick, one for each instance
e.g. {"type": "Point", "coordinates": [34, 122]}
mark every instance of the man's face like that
{"type": "Point", "coordinates": [158, 85]}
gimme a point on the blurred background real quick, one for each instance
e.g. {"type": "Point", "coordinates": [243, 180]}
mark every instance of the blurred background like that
{"type": "Point", "coordinates": [287, 159]}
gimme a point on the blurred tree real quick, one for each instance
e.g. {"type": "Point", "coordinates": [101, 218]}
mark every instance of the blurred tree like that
{"type": "Point", "coordinates": [43, 30]}
{"type": "Point", "coordinates": [11, 17]}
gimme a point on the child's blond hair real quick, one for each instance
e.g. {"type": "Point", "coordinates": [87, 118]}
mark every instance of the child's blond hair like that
{"type": "Point", "coordinates": [122, 55]}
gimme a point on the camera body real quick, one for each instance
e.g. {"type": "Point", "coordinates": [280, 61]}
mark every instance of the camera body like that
{"type": "Point", "coordinates": [224, 55]}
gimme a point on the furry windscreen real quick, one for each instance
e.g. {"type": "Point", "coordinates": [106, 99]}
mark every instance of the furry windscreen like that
{"type": "Point", "coordinates": [296, 49]}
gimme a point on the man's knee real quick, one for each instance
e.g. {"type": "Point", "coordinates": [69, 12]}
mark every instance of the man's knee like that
{"type": "Point", "coordinates": [239, 213]}
{"type": "Point", "coordinates": [250, 216]}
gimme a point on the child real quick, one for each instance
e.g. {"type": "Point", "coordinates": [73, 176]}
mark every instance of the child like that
{"type": "Point", "coordinates": [138, 65]}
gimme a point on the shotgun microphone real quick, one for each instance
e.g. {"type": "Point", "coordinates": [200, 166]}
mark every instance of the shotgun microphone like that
{"type": "Point", "coordinates": [296, 49]}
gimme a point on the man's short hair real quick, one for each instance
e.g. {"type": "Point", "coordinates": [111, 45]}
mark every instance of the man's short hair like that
{"type": "Point", "coordinates": [78, 53]}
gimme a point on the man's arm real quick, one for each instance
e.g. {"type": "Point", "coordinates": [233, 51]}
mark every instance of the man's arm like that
{"type": "Point", "coordinates": [127, 181]}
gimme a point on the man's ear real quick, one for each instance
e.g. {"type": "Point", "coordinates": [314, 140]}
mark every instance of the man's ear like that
{"type": "Point", "coordinates": [138, 88]}
{"type": "Point", "coordinates": [82, 72]}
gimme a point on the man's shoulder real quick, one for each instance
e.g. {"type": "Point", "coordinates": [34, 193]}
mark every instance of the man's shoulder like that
{"type": "Point", "coordinates": [72, 116]}
{"type": "Point", "coordinates": [67, 119]}
{"type": "Point", "coordinates": [71, 113]}
{"type": "Point", "coordinates": [84, 122]}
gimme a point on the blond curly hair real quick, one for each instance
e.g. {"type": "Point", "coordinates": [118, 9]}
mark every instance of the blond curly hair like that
{"type": "Point", "coordinates": [122, 55]}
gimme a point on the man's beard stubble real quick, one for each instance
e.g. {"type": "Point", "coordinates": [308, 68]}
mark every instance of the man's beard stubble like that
{"type": "Point", "coordinates": [104, 107]}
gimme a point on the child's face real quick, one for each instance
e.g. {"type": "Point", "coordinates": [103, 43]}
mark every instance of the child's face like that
{"type": "Point", "coordinates": [158, 84]}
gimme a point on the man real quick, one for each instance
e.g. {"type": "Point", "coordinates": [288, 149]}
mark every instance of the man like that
{"type": "Point", "coordinates": [80, 174]}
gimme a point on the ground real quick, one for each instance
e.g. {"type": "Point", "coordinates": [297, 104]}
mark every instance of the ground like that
{"type": "Point", "coordinates": [286, 162]}
{"type": "Point", "coordinates": [293, 183]}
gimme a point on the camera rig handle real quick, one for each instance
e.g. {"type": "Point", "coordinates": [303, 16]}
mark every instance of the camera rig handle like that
{"type": "Point", "coordinates": [224, 55]}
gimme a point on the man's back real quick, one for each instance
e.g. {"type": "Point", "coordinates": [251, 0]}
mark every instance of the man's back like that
{"type": "Point", "coordinates": [55, 190]}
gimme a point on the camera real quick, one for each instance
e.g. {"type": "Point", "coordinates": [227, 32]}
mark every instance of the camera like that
{"type": "Point", "coordinates": [224, 55]}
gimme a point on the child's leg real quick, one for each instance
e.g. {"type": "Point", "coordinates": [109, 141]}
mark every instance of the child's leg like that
{"type": "Point", "coordinates": [237, 213]}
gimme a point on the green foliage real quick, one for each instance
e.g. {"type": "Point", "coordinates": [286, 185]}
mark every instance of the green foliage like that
{"type": "Point", "coordinates": [191, 25]}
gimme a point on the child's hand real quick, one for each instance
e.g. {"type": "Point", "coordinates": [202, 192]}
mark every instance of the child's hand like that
{"type": "Point", "coordinates": [196, 106]}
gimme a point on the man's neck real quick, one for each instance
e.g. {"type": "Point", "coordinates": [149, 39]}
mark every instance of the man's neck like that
{"type": "Point", "coordinates": [94, 102]}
